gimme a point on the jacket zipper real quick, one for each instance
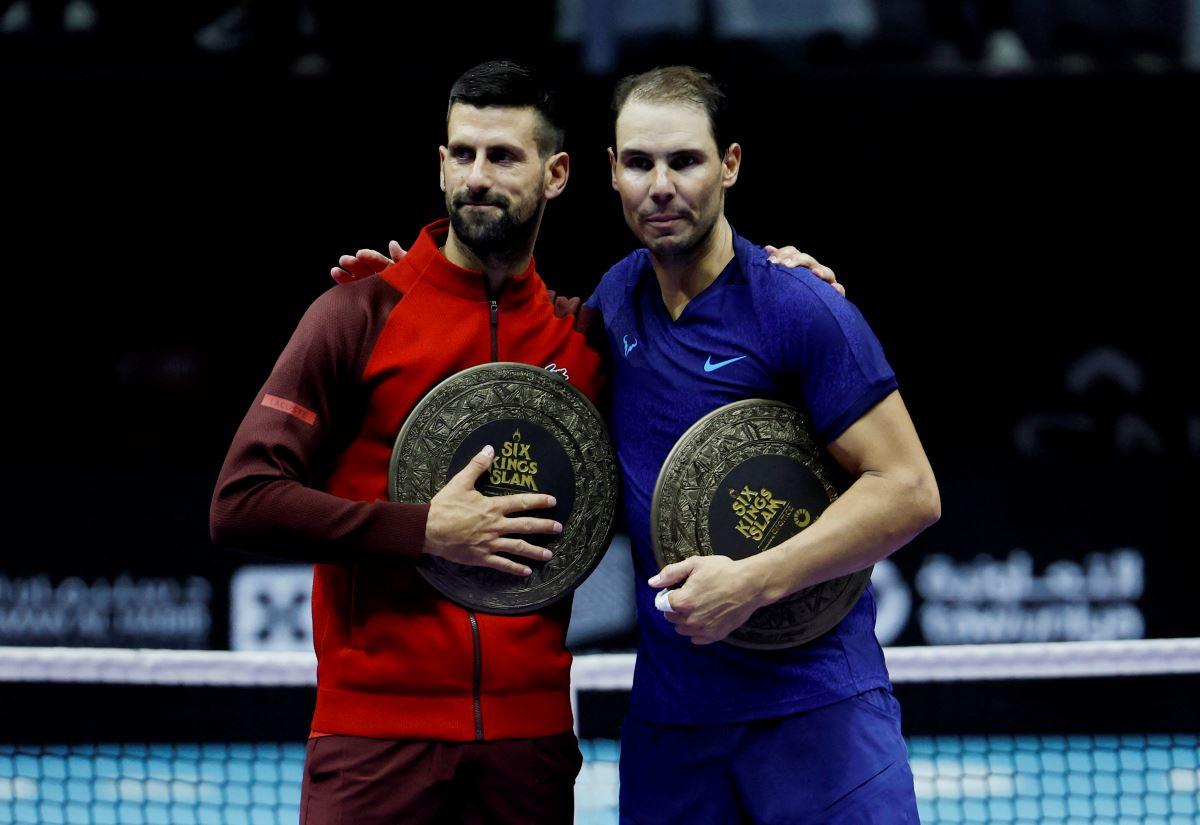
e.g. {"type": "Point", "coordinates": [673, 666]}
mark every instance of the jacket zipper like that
{"type": "Point", "coordinates": [477, 690]}
{"type": "Point", "coordinates": [478, 684]}
{"type": "Point", "coordinates": [495, 314]}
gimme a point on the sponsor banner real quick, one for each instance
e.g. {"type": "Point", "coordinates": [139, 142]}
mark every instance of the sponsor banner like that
{"type": "Point", "coordinates": [1010, 599]}
{"type": "Point", "coordinates": [270, 607]}
{"type": "Point", "coordinates": [123, 611]}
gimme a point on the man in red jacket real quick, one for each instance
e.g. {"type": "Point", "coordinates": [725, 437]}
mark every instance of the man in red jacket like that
{"type": "Point", "coordinates": [425, 711]}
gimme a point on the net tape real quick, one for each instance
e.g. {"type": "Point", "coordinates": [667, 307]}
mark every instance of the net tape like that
{"type": "Point", "coordinates": [607, 671]}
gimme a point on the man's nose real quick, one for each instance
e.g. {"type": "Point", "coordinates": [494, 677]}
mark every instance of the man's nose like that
{"type": "Point", "coordinates": [480, 175]}
{"type": "Point", "coordinates": [662, 188]}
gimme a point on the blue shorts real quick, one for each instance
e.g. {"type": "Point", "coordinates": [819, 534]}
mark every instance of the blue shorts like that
{"type": "Point", "coordinates": [842, 763]}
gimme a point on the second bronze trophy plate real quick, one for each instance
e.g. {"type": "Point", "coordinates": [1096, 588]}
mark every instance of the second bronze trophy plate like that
{"type": "Point", "coordinates": [743, 479]}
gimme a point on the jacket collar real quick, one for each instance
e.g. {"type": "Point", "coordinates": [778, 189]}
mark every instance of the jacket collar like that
{"type": "Point", "coordinates": [426, 262]}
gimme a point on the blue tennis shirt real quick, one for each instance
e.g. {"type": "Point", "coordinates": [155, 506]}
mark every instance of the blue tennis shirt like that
{"type": "Point", "coordinates": [760, 330]}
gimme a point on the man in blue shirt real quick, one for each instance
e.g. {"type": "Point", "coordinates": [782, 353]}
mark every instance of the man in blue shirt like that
{"type": "Point", "coordinates": [695, 320]}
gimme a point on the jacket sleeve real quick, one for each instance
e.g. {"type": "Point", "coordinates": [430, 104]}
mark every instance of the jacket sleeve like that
{"type": "Point", "coordinates": [267, 498]}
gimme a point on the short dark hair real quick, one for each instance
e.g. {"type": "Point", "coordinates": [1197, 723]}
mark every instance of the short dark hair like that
{"type": "Point", "coordinates": [502, 83]}
{"type": "Point", "coordinates": [677, 84]}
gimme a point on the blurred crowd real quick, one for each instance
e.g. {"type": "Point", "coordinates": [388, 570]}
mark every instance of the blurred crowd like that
{"type": "Point", "coordinates": [992, 36]}
{"type": "Point", "coordinates": [319, 37]}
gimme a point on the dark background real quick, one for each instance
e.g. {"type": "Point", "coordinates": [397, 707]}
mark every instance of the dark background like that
{"type": "Point", "coordinates": [171, 214]}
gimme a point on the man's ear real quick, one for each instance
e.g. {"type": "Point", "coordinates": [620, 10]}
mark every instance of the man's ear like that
{"type": "Point", "coordinates": [442, 152]}
{"type": "Point", "coordinates": [558, 169]}
{"type": "Point", "coordinates": [732, 164]}
{"type": "Point", "coordinates": [612, 166]}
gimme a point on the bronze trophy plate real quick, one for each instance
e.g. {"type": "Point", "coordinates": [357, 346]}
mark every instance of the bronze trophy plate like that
{"type": "Point", "coordinates": [741, 480]}
{"type": "Point", "coordinates": [548, 438]}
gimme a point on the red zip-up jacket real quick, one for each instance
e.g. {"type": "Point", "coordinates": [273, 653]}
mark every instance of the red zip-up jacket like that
{"type": "Point", "coordinates": [306, 477]}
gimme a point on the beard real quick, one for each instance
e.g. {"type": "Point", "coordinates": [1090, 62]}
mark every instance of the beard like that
{"type": "Point", "coordinates": [508, 228]}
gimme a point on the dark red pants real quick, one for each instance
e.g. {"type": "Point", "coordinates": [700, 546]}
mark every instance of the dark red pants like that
{"type": "Point", "coordinates": [351, 780]}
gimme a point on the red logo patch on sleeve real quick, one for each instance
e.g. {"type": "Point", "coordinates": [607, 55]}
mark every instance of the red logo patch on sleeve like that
{"type": "Point", "coordinates": [290, 407]}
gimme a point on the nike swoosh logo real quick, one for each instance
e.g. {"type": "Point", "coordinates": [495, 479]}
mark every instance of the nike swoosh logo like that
{"type": "Point", "coordinates": [709, 366]}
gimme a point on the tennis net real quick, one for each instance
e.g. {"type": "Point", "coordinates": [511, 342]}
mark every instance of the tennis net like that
{"type": "Point", "coordinates": [1086, 732]}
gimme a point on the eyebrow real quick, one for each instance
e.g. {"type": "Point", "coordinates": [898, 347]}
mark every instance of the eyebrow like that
{"type": "Point", "coordinates": [508, 147]}
{"type": "Point", "coordinates": [635, 152]}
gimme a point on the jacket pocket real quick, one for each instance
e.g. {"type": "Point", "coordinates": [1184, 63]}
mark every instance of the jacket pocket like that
{"type": "Point", "coordinates": [391, 608]}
